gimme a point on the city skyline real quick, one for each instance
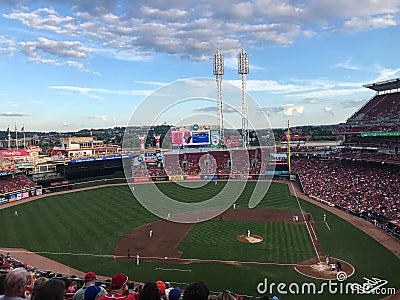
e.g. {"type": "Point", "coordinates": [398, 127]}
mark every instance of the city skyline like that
{"type": "Point", "coordinates": [91, 65]}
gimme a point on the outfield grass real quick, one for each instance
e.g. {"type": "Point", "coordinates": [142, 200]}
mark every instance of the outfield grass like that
{"type": "Point", "coordinates": [93, 221]}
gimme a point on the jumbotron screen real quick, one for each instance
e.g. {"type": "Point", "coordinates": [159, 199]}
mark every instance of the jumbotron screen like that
{"type": "Point", "coordinates": [196, 137]}
{"type": "Point", "coordinates": [191, 138]}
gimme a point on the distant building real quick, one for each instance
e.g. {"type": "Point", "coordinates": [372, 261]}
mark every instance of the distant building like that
{"type": "Point", "coordinates": [73, 147]}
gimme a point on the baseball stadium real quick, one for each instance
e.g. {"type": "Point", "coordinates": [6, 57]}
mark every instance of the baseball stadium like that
{"type": "Point", "coordinates": [292, 220]}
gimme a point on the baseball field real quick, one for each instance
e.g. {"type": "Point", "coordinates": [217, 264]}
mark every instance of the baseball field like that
{"type": "Point", "coordinates": [93, 230]}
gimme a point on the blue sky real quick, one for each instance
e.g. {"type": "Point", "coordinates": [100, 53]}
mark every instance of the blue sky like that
{"type": "Point", "coordinates": [90, 64]}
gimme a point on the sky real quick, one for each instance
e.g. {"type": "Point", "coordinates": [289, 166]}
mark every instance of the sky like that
{"type": "Point", "coordinates": [95, 64]}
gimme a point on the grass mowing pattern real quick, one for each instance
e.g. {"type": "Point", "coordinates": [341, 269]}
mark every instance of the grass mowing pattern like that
{"type": "Point", "coordinates": [277, 196]}
{"type": "Point", "coordinates": [93, 221]}
{"type": "Point", "coordinates": [89, 222]}
{"type": "Point", "coordinates": [282, 242]}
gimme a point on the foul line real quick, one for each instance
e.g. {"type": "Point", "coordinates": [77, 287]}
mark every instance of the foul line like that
{"type": "Point", "coordinates": [327, 225]}
{"type": "Point", "coordinates": [179, 270]}
{"type": "Point", "coordinates": [304, 218]}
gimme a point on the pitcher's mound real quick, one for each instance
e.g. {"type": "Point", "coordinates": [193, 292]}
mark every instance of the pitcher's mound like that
{"type": "Point", "coordinates": [249, 239]}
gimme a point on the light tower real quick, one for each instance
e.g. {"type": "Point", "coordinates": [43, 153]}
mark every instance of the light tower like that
{"type": "Point", "coordinates": [218, 69]}
{"type": "Point", "coordinates": [243, 68]}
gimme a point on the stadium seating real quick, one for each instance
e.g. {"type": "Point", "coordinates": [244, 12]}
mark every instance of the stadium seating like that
{"type": "Point", "coordinates": [7, 263]}
{"type": "Point", "coordinates": [355, 186]}
{"type": "Point", "coordinates": [236, 161]}
{"type": "Point", "coordinates": [9, 184]}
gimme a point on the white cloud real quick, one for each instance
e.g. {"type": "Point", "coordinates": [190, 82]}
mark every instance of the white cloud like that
{"type": "Point", "coordinates": [102, 118]}
{"type": "Point", "coordinates": [45, 19]}
{"type": "Point", "coordinates": [9, 104]}
{"type": "Point", "coordinates": [386, 74]}
{"type": "Point", "coordinates": [346, 65]}
{"type": "Point", "coordinates": [193, 29]}
{"type": "Point", "coordinates": [286, 109]}
{"type": "Point", "coordinates": [352, 103]}
{"type": "Point", "coordinates": [156, 83]}
{"type": "Point", "coordinates": [95, 92]}
{"type": "Point", "coordinates": [289, 109]}
{"type": "Point", "coordinates": [329, 93]}
{"type": "Point", "coordinates": [226, 109]}
{"type": "Point", "coordinates": [325, 10]}
{"type": "Point", "coordinates": [367, 23]}
{"type": "Point", "coordinates": [64, 49]}
{"type": "Point", "coordinates": [7, 45]}
{"type": "Point", "coordinates": [314, 100]}
{"type": "Point", "coordinates": [58, 53]}
{"type": "Point", "coordinates": [13, 114]}
{"type": "Point", "coordinates": [329, 110]}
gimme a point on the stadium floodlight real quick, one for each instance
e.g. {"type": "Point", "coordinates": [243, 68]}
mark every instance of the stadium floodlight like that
{"type": "Point", "coordinates": [243, 69]}
{"type": "Point", "coordinates": [218, 69]}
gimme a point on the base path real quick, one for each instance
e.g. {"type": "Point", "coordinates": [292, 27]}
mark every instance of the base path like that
{"type": "Point", "coordinates": [379, 235]}
{"type": "Point", "coordinates": [166, 235]}
{"type": "Point", "coordinates": [40, 262]}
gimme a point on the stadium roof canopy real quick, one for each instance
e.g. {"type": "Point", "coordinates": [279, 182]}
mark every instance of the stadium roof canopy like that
{"type": "Point", "coordinates": [392, 84]}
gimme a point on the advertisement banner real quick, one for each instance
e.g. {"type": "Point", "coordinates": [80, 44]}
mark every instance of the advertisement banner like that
{"type": "Point", "coordinates": [39, 192]}
{"type": "Point", "coordinates": [215, 141]}
{"type": "Point", "coordinates": [159, 178]}
{"type": "Point", "coordinates": [175, 177]}
{"type": "Point", "coordinates": [192, 177]}
{"type": "Point", "coordinates": [24, 195]}
{"type": "Point", "coordinates": [12, 198]}
{"type": "Point", "coordinates": [3, 200]}
{"type": "Point", "coordinates": [276, 172]}
{"type": "Point", "coordinates": [150, 156]}
{"type": "Point", "coordinates": [141, 179]}
{"type": "Point", "coordinates": [58, 183]}
{"type": "Point", "coordinates": [90, 159]}
{"type": "Point", "coordinates": [176, 138]}
{"type": "Point", "coordinates": [210, 177]}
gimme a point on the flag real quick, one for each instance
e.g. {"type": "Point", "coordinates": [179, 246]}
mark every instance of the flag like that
{"type": "Point", "coordinates": [8, 129]}
{"type": "Point", "coordinates": [22, 129]}
{"type": "Point", "coordinates": [16, 127]}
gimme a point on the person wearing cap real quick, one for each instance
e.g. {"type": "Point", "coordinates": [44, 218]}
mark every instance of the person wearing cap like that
{"type": "Point", "coordinates": [175, 293]}
{"type": "Point", "coordinates": [119, 288]}
{"type": "Point", "coordinates": [161, 287]}
{"type": "Point", "coordinates": [92, 292]}
{"type": "Point", "coordinates": [89, 279]}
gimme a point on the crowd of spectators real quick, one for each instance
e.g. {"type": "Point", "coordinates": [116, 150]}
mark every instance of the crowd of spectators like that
{"type": "Point", "coordinates": [238, 161]}
{"type": "Point", "coordinates": [381, 109]}
{"type": "Point", "coordinates": [380, 114]}
{"type": "Point", "coordinates": [374, 157]}
{"type": "Point", "coordinates": [352, 185]}
{"type": "Point", "coordinates": [20, 281]}
{"type": "Point", "coordinates": [13, 183]}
